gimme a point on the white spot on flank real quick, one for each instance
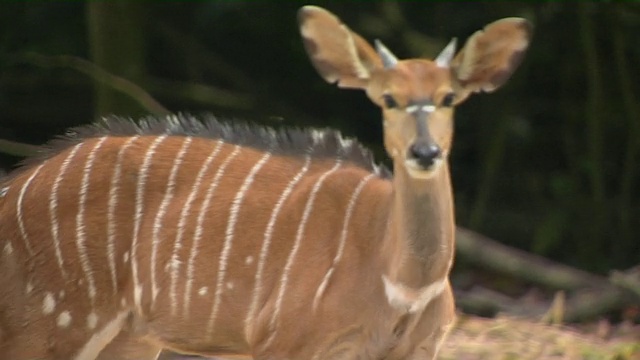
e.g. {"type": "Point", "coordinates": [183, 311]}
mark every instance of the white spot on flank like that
{"type": "Point", "coordinates": [123, 302]}
{"type": "Point", "coordinates": [175, 262]}
{"type": "Point", "coordinates": [200, 228]}
{"type": "Point", "coordinates": [23, 229]}
{"type": "Point", "coordinates": [343, 239]}
{"type": "Point", "coordinates": [53, 207]}
{"type": "Point", "coordinates": [8, 248]}
{"type": "Point", "coordinates": [266, 242]}
{"type": "Point", "coordinates": [48, 304]}
{"type": "Point", "coordinates": [203, 291]}
{"type": "Point", "coordinates": [114, 189]}
{"type": "Point", "coordinates": [409, 300]}
{"type": "Point", "coordinates": [61, 294]}
{"type": "Point", "coordinates": [125, 257]}
{"type": "Point", "coordinates": [100, 339]}
{"type": "Point", "coordinates": [92, 321]}
{"type": "Point", "coordinates": [157, 224]}
{"type": "Point", "coordinates": [80, 282]}
{"type": "Point", "coordinates": [143, 174]}
{"type": "Point", "coordinates": [64, 319]}
{"type": "Point", "coordinates": [29, 287]}
{"type": "Point", "coordinates": [230, 285]}
{"type": "Point", "coordinates": [284, 279]}
{"type": "Point", "coordinates": [248, 260]}
{"type": "Point", "coordinates": [229, 234]}
{"type": "Point", "coordinates": [81, 236]}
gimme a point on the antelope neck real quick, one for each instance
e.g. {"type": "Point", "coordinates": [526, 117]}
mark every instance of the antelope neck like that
{"type": "Point", "coordinates": [423, 223]}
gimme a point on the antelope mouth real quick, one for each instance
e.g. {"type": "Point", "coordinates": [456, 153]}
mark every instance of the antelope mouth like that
{"type": "Point", "coordinates": [419, 171]}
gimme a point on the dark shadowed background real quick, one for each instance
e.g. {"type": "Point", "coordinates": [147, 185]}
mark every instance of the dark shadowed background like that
{"type": "Point", "coordinates": [550, 163]}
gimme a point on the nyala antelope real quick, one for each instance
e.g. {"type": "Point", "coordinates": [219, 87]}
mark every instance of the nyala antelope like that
{"type": "Point", "coordinates": [206, 238]}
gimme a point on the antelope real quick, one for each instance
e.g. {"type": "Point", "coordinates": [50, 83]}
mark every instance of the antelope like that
{"type": "Point", "coordinates": [216, 239]}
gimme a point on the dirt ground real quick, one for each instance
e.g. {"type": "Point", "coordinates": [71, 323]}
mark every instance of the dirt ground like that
{"type": "Point", "coordinates": [475, 338]}
{"type": "Point", "coordinates": [504, 338]}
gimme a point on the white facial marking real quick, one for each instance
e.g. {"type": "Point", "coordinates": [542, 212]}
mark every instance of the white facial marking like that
{"type": "Point", "coordinates": [203, 291]}
{"type": "Point", "coordinates": [248, 260]}
{"type": "Point", "coordinates": [92, 321]}
{"type": "Point", "coordinates": [48, 304]}
{"type": "Point", "coordinates": [64, 319]}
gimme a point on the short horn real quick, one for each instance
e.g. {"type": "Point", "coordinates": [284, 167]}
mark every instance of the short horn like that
{"type": "Point", "coordinates": [446, 55]}
{"type": "Point", "coordinates": [388, 59]}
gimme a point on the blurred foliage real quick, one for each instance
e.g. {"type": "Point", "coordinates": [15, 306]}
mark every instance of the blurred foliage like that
{"type": "Point", "coordinates": [549, 164]}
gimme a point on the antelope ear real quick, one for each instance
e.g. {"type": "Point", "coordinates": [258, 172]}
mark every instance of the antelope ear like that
{"type": "Point", "coordinates": [338, 54]}
{"type": "Point", "coordinates": [491, 55]}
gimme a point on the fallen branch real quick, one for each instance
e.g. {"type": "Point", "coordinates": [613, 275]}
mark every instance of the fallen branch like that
{"type": "Point", "coordinates": [481, 251]}
{"type": "Point", "coordinates": [98, 74]}
{"type": "Point", "coordinates": [588, 296]}
{"type": "Point", "coordinates": [15, 148]}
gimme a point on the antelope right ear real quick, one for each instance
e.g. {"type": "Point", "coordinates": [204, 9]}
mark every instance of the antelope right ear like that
{"type": "Point", "coordinates": [338, 54]}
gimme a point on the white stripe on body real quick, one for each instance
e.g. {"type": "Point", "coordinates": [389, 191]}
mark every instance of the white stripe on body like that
{"type": "Point", "coordinates": [231, 223]}
{"type": "Point", "coordinates": [23, 230]}
{"type": "Point", "coordinates": [409, 300]}
{"type": "Point", "coordinates": [200, 228]}
{"type": "Point", "coordinates": [284, 279]}
{"type": "Point", "coordinates": [81, 237]}
{"type": "Point", "coordinates": [114, 189]}
{"type": "Point", "coordinates": [100, 339]}
{"type": "Point", "coordinates": [162, 210]}
{"type": "Point", "coordinates": [266, 242]}
{"type": "Point", "coordinates": [53, 207]}
{"type": "Point", "coordinates": [142, 179]}
{"type": "Point", "coordinates": [343, 239]}
{"type": "Point", "coordinates": [174, 263]}
{"type": "Point", "coordinates": [204, 207]}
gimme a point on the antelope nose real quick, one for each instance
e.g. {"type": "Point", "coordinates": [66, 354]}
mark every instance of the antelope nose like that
{"type": "Point", "coordinates": [426, 153]}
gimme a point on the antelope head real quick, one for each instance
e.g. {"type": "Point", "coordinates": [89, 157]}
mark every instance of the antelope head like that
{"type": "Point", "coordinates": [417, 96]}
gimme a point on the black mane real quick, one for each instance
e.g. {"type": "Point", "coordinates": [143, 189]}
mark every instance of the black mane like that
{"type": "Point", "coordinates": [286, 141]}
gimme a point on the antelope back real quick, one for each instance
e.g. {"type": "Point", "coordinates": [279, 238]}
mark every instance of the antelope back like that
{"type": "Point", "coordinates": [142, 225]}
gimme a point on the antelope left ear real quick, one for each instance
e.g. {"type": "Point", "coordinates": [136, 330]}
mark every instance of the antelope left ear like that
{"type": "Point", "coordinates": [491, 55]}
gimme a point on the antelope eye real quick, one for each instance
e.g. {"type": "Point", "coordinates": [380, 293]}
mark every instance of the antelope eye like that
{"type": "Point", "coordinates": [389, 101]}
{"type": "Point", "coordinates": [447, 100]}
